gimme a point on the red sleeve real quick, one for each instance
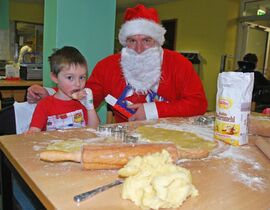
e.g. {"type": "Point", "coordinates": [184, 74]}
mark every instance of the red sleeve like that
{"type": "Point", "coordinates": [190, 97]}
{"type": "Point", "coordinates": [39, 118]}
{"type": "Point", "coordinates": [106, 78]}
{"type": "Point", "coordinates": [95, 83]}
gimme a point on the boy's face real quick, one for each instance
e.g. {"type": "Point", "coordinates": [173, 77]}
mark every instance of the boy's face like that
{"type": "Point", "coordinates": [70, 79]}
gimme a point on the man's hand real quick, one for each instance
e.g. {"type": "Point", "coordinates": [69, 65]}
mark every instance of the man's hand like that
{"type": "Point", "coordinates": [35, 93]}
{"type": "Point", "coordinates": [139, 114]}
{"type": "Point", "coordinates": [87, 101]}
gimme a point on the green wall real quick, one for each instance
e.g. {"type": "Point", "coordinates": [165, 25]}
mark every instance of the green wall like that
{"type": "Point", "coordinates": [4, 14]}
{"type": "Point", "coordinates": [87, 25]}
{"type": "Point", "coordinates": [4, 30]}
{"type": "Point", "coordinates": [209, 27]}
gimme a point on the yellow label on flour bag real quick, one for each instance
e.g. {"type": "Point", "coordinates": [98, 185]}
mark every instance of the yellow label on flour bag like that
{"type": "Point", "coordinates": [233, 104]}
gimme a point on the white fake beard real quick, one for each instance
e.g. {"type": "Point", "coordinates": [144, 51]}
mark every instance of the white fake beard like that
{"type": "Point", "coordinates": [142, 71]}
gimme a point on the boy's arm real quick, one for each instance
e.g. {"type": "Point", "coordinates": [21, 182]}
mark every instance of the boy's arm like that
{"type": "Point", "coordinates": [93, 119]}
{"type": "Point", "coordinates": [33, 130]}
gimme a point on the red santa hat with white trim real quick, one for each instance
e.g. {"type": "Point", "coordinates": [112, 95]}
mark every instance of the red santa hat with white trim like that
{"type": "Point", "coordinates": [143, 21]}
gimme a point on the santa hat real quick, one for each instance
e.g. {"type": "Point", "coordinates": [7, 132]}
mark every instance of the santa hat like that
{"type": "Point", "coordinates": [140, 20]}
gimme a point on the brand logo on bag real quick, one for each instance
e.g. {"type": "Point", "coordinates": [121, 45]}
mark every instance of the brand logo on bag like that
{"type": "Point", "coordinates": [224, 103]}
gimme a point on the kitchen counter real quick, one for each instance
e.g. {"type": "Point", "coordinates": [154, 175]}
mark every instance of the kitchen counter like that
{"type": "Point", "coordinates": [230, 178]}
{"type": "Point", "coordinates": [17, 84]}
{"type": "Point", "coordinates": [15, 89]}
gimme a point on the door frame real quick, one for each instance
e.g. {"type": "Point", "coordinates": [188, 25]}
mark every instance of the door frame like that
{"type": "Point", "coordinates": [242, 35]}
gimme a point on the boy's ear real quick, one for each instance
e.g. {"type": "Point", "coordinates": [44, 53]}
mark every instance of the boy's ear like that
{"type": "Point", "coordinates": [54, 78]}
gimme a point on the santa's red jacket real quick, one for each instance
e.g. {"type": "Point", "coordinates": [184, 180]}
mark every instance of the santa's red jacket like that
{"type": "Point", "coordinates": [179, 84]}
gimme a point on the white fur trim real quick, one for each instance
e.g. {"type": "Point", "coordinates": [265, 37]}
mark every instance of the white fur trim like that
{"type": "Point", "coordinates": [143, 27]}
{"type": "Point", "coordinates": [142, 71]}
{"type": "Point", "coordinates": [150, 110]}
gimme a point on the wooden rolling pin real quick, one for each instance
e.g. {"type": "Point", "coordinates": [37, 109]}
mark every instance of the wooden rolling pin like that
{"type": "Point", "coordinates": [108, 156]}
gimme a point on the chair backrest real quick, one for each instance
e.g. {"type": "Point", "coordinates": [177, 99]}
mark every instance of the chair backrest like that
{"type": "Point", "coordinates": [7, 121]}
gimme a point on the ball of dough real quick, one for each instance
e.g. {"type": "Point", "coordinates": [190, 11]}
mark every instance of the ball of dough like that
{"type": "Point", "coordinates": [154, 182]}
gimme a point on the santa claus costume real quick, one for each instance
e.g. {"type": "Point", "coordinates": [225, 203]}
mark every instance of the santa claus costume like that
{"type": "Point", "coordinates": [163, 80]}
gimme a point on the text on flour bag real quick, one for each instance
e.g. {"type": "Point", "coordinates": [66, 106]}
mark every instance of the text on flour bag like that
{"type": "Point", "coordinates": [233, 103]}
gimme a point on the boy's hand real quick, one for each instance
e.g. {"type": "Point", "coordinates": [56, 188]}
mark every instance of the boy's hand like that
{"type": "Point", "coordinates": [87, 101]}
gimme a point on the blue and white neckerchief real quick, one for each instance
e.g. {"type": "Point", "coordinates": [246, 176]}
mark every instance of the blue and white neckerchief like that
{"type": "Point", "coordinates": [153, 96]}
{"type": "Point", "coordinates": [128, 91]}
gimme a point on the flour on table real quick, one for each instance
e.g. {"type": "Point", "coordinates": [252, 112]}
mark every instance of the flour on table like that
{"type": "Point", "coordinates": [37, 147]}
{"type": "Point", "coordinates": [238, 155]}
{"type": "Point", "coordinates": [66, 146]}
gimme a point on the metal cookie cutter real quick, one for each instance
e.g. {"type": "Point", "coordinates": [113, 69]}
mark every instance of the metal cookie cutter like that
{"type": "Point", "coordinates": [203, 120]}
{"type": "Point", "coordinates": [105, 130]}
{"type": "Point", "coordinates": [131, 139]}
{"type": "Point", "coordinates": [119, 132]}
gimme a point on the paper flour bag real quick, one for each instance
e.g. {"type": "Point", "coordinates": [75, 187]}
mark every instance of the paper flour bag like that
{"type": "Point", "coordinates": [233, 103]}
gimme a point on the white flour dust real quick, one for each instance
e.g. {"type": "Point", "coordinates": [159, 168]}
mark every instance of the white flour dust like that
{"type": "Point", "coordinates": [239, 156]}
{"type": "Point", "coordinates": [253, 182]}
{"type": "Point", "coordinates": [37, 147]}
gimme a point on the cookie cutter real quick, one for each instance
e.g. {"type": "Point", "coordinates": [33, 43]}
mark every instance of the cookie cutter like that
{"type": "Point", "coordinates": [116, 131]}
{"type": "Point", "coordinates": [105, 130]}
{"type": "Point", "coordinates": [131, 139]}
{"type": "Point", "coordinates": [204, 120]}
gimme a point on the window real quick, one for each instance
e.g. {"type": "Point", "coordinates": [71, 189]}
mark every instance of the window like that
{"type": "Point", "coordinates": [33, 33]}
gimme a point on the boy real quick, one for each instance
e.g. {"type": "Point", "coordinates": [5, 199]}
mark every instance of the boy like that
{"type": "Point", "coordinates": [72, 105]}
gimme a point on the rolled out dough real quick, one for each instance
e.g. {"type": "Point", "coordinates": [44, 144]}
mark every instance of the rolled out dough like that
{"type": "Point", "coordinates": [183, 139]}
{"type": "Point", "coordinates": [66, 146]}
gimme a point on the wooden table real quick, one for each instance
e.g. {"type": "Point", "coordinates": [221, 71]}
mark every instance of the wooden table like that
{"type": "Point", "coordinates": [15, 88]}
{"type": "Point", "coordinates": [223, 182]}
